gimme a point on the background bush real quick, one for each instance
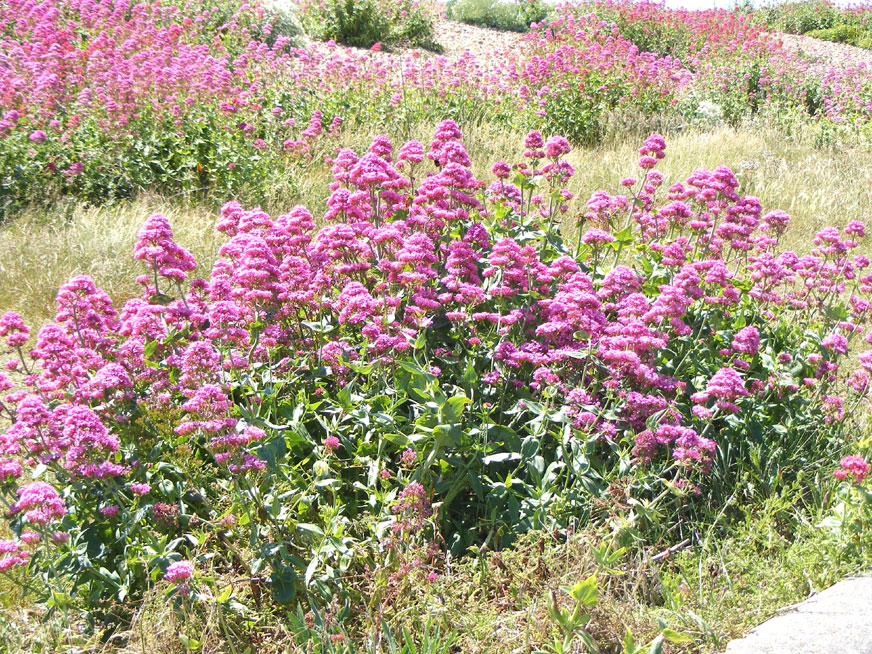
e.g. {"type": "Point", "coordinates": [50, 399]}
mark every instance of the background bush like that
{"type": "Point", "coordinates": [821, 20]}
{"type": "Point", "coordinates": [851, 34]}
{"type": "Point", "coordinates": [284, 20]}
{"type": "Point", "coordinates": [367, 22]}
{"type": "Point", "coordinates": [498, 14]}
{"type": "Point", "coordinates": [804, 16]}
{"type": "Point", "coordinates": [245, 113]}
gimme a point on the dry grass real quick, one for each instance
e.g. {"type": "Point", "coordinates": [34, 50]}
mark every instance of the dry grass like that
{"type": "Point", "coordinates": [497, 602]}
{"type": "Point", "coordinates": [38, 253]}
{"type": "Point", "coordinates": [817, 187]}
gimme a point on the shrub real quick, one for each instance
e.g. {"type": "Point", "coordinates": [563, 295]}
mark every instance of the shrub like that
{"type": "Point", "coordinates": [802, 17]}
{"type": "Point", "coordinates": [283, 18]}
{"type": "Point", "coordinates": [533, 11]}
{"type": "Point", "coordinates": [849, 34]}
{"type": "Point", "coordinates": [363, 24]}
{"type": "Point", "coordinates": [498, 14]}
{"type": "Point", "coordinates": [435, 368]}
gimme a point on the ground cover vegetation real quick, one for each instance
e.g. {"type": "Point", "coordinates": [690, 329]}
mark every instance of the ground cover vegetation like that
{"type": "Point", "coordinates": [474, 387]}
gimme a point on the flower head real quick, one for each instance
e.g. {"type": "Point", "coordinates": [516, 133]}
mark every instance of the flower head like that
{"type": "Point", "coordinates": [747, 340]}
{"type": "Point", "coordinates": [179, 572]}
{"type": "Point", "coordinates": [854, 466]}
{"type": "Point", "coordinates": [13, 329]}
{"type": "Point", "coordinates": [40, 502]}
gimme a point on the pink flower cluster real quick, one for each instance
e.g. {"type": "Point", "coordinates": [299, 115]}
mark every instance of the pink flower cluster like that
{"type": "Point", "coordinates": [852, 466]}
{"type": "Point", "coordinates": [12, 553]}
{"type": "Point", "coordinates": [40, 503]}
{"type": "Point", "coordinates": [163, 256]}
{"type": "Point", "coordinates": [178, 572]}
{"type": "Point", "coordinates": [411, 509]}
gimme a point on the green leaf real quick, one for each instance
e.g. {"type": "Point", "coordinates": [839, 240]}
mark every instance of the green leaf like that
{"type": "Point", "coordinates": [656, 645]}
{"type": "Point", "coordinates": [272, 451]}
{"type": "Point", "coordinates": [529, 447]}
{"type": "Point", "coordinates": [502, 457]}
{"type": "Point", "coordinates": [421, 341]}
{"type": "Point", "coordinates": [411, 367]}
{"type": "Point", "coordinates": [588, 641]}
{"type": "Point", "coordinates": [322, 327]}
{"type": "Point", "coordinates": [160, 298]}
{"type": "Point", "coordinates": [190, 643]}
{"type": "Point", "coordinates": [59, 599]}
{"type": "Point", "coordinates": [469, 375]}
{"type": "Point", "coordinates": [284, 585]}
{"type": "Point", "coordinates": [831, 522]}
{"type": "Point", "coordinates": [149, 349]}
{"type": "Point", "coordinates": [452, 410]}
{"type": "Point", "coordinates": [676, 637]}
{"type": "Point", "coordinates": [310, 530]}
{"type": "Point", "coordinates": [311, 569]}
{"type": "Point", "coordinates": [225, 594]}
{"type": "Point", "coordinates": [625, 235]}
{"type": "Point", "coordinates": [585, 591]}
{"type": "Point", "coordinates": [400, 440]}
{"type": "Point", "coordinates": [837, 312]}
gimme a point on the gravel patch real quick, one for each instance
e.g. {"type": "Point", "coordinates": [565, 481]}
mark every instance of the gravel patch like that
{"type": "Point", "coordinates": [458, 41]}
{"type": "Point", "coordinates": [827, 54]}
{"type": "Point", "coordinates": [458, 38]}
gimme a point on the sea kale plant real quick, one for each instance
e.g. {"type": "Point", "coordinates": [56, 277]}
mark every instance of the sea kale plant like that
{"type": "Point", "coordinates": [434, 369]}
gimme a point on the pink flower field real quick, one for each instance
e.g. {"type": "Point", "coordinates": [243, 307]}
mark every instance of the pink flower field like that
{"type": "Point", "coordinates": [102, 99]}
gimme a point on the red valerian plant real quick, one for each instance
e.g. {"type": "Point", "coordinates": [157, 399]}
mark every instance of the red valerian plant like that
{"type": "Point", "coordinates": [432, 368]}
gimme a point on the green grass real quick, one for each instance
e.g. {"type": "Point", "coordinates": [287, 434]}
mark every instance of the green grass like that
{"type": "Point", "coordinates": [714, 590]}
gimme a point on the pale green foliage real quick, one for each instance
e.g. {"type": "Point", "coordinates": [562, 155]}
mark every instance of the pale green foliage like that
{"type": "Point", "coordinates": [498, 14]}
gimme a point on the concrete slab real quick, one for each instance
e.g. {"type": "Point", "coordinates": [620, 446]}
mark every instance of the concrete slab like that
{"type": "Point", "coordinates": [835, 621]}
